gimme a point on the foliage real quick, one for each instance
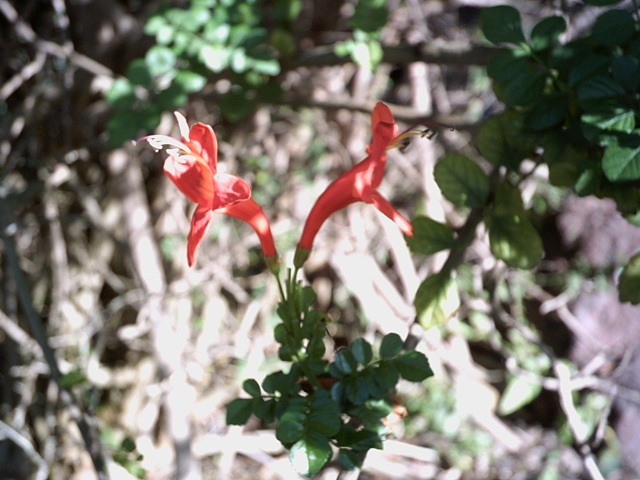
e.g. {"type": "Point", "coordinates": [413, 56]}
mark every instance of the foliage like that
{"type": "Point", "coordinates": [208, 37]}
{"type": "Point", "coordinates": [318, 404]}
{"type": "Point", "coordinates": [244, 43]}
{"type": "Point", "coordinates": [572, 108]}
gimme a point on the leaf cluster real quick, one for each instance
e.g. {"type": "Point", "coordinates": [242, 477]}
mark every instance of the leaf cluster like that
{"type": "Point", "coordinates": [573, 107]}
{"type": "Point", "coordinates": [208, 37]}
{"type": "Point", "coordinates": [319, 405]}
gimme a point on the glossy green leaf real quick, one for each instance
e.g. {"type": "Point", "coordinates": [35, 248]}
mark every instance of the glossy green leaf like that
{"type": "Point", "coordinates": [239, 411]}
{"type": "Point", "coordinates": [386, 375]}
{"type": "Point", "coordinates": [324, 416]}
{"type": "Point", "coordinates": [251, 387]}
{"type": "Point", "coordinates": [356, 389]}
{"type": "Point", "coordinates": [309, 454]}
{"type": "Point", "coordinates": [391, 345]}
{"type": "Point", "coordinates": [621, 161]}
{"type": "Point", "coordinates": [362, 351]}
{"type": "Point", "coordinates": [429, 236]}
{"type": "Point", "coordinates": [436, 299]}
{"type": "Point", "coordinates": [359, 440]}
{"type": "Point", "coordinates": [350, 459]}
{"type": "Point", "coordinates": [462, 181]}
{"type": "Point", "coordinates": [502, 24]}
{"type": "Point", "coordinates": [290, 430]}
{"type": "Point", "coordinates": [345, 362]}
{"type": "Point", "coordinates": [614, 27]}
{"type": "Point", "coordinates": [413, 366]}
{"type": "Point", "coordinates": [517, 394]}
{"type": "Point", "coordinates": [610, 116]}
{"type": "Point", "coordinates": [546, 32]}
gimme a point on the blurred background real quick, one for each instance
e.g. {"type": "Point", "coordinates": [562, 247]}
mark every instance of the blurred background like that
{"type": "Point", "coordinates": [117, 360]}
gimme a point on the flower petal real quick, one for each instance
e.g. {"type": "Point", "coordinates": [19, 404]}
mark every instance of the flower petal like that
{"type": "Point", "coordinates": [338, 195]}
{"type": "Point", "coordinates": [250, 212]}
{"type": "Point", "coordinates": [199, 223]}
{"type": "Point", "coordinates": [193, 178]}
{"type": "Point", "coordinates": [386, 208]}
{"type": "Point", "coordinates": [202, 140]}
{"type": "Point", "coordinates": [229, 190]}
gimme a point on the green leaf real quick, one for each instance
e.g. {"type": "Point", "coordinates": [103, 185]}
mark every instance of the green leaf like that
{"type": "Point", "coordinates": [356, 389]}
{"type": "Point", "coordinates": [362, 351]}
{"type": "Point", "coordinates": [502, 141]}
{"type": "Point", "coordinates": [413, 366]}
{"type": "Point", "coordinates": [514, 240]}
{"type": "Point", "coordinates": [251, 387]}
{"type": "Point", "coordinates": [610, 116]}
{"type": "Point", "coordinates": [215, 57]}
{"type": "Point", "coordinates": [436, 299]}
{"type": "Point", "coordinates": [525, 87]}
{"type": "Point", "coordinates": [121, 94]}
{"type": "Point", "coordinates": [517, 394]}
{"type": "Point", "coordinates": [370, 15]}
{"type": "Point", "coordinates": [430, 236]}
{"type": "Point", "coordinates": [391, 345]}
{"type": "Point", "coordinates": [549, 111]}
{"type": "Point", "coordinates": [309, 454]}
{"type": "Point", "coordinates": [72, 379]}
{"type": "Point", "coordinates": [626, 71]}
{"type": "Point", "coordinates": [239, 411]}
{"type": "Point", "coordinates": [502, 65]}
{"type": "Point", "coordinates": [138, 73]}
{"type": "Point", "coordinates": [289, 431]}
{"type": "Point", "coordinates": [386, 375]}
{"type": "Point", "coordinates": [324, 416]}
{"type": "Point", "coordinates": [501, 24]}
{"type": "Point", "coordinates": [360, 440]}
{"type": "Point", "coordinates": [160, 60]}
{"type": "Point", "coordinates": [597, 88]}
{"type": "Point", "coordinates": [190, 81]}
{"type": "Point", "coordinates": [462, 181]}
{"type": "Point", "coordinates": [546, 32]}
{"type": "Point", "coordinates": [350, 459]}
{"type": "Point", "coordinates": [629, 285]}
{"type": "Point", "coordinates": [614, 27]}
{"type": "Point", "coordinates": [345, 362]}
{"type": "Point", "coordinates": [621, 161]}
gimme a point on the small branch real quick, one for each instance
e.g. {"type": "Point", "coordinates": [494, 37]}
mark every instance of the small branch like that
{"type": "Point", "coordinates": [24, 30]}
{"type": "Point", "coordinates": [38, 331]}
{"type": "Point", "coordinates": [7, 432]}
{"type": "Point", "coordinates": [436, 52]}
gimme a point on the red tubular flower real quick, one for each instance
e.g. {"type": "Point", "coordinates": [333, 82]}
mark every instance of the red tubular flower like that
{"type": "Point", "coordinates": [192, 166]}
{"type": "Point", "coordinates": [359, 184]}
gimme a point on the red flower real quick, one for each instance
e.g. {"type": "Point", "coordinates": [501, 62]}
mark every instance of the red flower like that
{"type": "Point", "coordinates": [193, 166]}
{"type": "Point", "coordinates": [359, 184]}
